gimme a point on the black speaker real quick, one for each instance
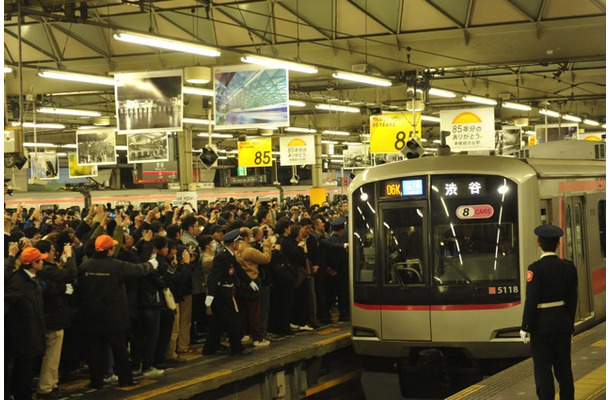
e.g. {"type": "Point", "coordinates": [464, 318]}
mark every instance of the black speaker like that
{"type": "Point", "coordinates": [14, 160]}
{"type": "Point", "coordinates": [208, 156]}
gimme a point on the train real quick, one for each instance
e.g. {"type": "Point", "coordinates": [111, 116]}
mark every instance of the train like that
{"type": "Point", "coordinates": [141, 197]}
{"type": "Point", "coordinates": [440, 246]}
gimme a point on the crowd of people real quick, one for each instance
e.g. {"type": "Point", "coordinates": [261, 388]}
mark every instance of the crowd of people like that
{"type": "Point", "coordinates": [130, 292]}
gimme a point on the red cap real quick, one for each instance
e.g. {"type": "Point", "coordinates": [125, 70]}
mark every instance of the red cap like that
{"type": "Point", "coordinates": [30, 255]}
{"type": "Point", "coordinates": [104, 242]}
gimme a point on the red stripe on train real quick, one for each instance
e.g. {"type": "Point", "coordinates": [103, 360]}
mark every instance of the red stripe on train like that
{"type": "Point", "coordinates": [599, 280]}
{"type": "Point", "coordinates": [442, 307]}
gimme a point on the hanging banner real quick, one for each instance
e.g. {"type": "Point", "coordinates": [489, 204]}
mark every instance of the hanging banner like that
{"type": "Point", "coordinates": [248, 96]}
{"type": "Point", "coordinates": [149, 101]}
{"type": "Point", "coordinates": [79, 171]}
{"type": "Point", "coordinates": [469, 129]}
{"type": "Point", "coordinates": [356, 156]}
{"type": "Point", "coordinates": [96, 147]}
{"type": "Point", "coordinates": [297, 150]}
{"type": "Point", "coordinates": [390, 132]}
{"type": "Point", "coordinates": [254, 153]}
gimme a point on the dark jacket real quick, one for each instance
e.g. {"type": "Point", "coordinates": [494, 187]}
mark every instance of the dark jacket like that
{"type": "Point", "coordinates": [23, 317]}
{"type": "Point", "coordinates": [101, 291]}
{"type": "Point", "coordinates": [550, 279]}
{"type": "Point", "coordinates": [57, 309]}
{"type": "Point", "coordinates": [333, 252]}
{"type": "Point", "coordinates": [225, 270]}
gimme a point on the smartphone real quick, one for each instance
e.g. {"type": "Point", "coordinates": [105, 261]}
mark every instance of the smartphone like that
{"type": "Point", "coordinates": [111, 215]}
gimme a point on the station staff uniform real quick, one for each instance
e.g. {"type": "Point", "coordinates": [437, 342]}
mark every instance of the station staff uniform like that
{"type": "Point", "coordinates": [221, 297]}
{"type": "Point", "coordinates": [548, 315]}
{"type": "Point", "coordinates": [337, 265]}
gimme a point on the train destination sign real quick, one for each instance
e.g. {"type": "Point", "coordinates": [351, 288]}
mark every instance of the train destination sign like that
{"type": "Point", "coordinates": [460, 188]}
{"type": "Point", "coordinates": [406, 187]}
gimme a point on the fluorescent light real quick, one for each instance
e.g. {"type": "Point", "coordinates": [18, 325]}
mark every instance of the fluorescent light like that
{"type": "Point", "coordinates": [275, 63]}
{"type": "Point", "coordinates": [196, 121]}
{"type": "Point", "coordinates": [7, 70]}
{"type": "Point", "coordinates": [329, 142]}
{"type": "Point", "coordinates": [441, 93]}
{"type": "Point", "coordinates": [217, 135]}
{"type": "Point", "coordinates": [572, 118]}
{"type": "Point", "coordinates": [336, 133]}
{"type": "Point", "coordinates": [531, 133]}
{"type": "Point", "coordinates": [85, 127]}
{"type": "Point", "coordinates": [516, 106]}
{"type": "Point", "coordinates": [591, 122]}
{"type": "Point", "coordinates": [76, 77]}
{"type": "Point", "coordinates": [69, 146]}
{"type": "Point", "coordinates": [297, 129]}
{"type": "Point", "coordinates": [31, 144]}
{"type": "Point", "coordinates": [43, 126]}
{"type": "Point", "coordinates": [430, 118]}
{"type": "Point", "coordinates": [296, 103]}
{"type": "Point", "coordinates": [67, 111]}
{"type": "Point", "coordinates": [197, 91]}
{"type": "Point", "coordinates": [372, 80]}
{"type": "Point", "coordinates": [550, 113]}
{"type": "Point", "coordinates": [351, 143]}
{"type": "Point", "coordinates": [333, 107]}
{"type": "Point", "coordinates": [480, 100]}
{"type": "Point", "coordinates": [164, 43]}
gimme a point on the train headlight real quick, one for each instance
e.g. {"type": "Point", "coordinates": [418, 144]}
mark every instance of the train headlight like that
{"type": "Point", "coordinates": [503, 189]}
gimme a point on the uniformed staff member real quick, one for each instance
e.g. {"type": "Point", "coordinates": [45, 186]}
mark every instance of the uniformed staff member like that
{"type": "Point", "coordinates": [221, 297]}
{"type": "Point", "coordinates": [548, 315]}
{"type": "Point", "coordinates": [336, 258]}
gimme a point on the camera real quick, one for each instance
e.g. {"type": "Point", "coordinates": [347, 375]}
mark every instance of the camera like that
{"type": "Point", "coordinates": [111, 215]}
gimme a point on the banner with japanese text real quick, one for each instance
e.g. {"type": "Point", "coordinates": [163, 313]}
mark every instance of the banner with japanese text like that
{"type": "Point", "coordinates": [297, 150]}
{"type": "Point", "coordinates": [390, 132]}
{"type": "Point", "coordinates": [469, 129]}
{"type": "Point", "coordinates": [254, 153]}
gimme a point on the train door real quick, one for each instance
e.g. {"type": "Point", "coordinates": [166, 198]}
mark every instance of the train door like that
{"type": "Point", "coordinates": [405, 310]}
{"type": "Point", "coordinates": [575, 250]}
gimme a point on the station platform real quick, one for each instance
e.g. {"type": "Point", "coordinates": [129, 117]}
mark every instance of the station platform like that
{"type": "Point", "coordinates": [292, 367]}
{"type": "Point", "coordinates": [517, 382]}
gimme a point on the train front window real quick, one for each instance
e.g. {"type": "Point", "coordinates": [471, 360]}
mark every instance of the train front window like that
{"type": "Point", "coordinates": [403, 241]}
{"type": "Point", "coordinates": [474, 230]}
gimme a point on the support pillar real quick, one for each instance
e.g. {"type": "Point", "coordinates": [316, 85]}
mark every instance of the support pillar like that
{"type": "Point", "coordinates": [185, 158]}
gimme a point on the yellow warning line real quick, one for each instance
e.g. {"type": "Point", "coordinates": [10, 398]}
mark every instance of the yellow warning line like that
{"type": "Point", "coordinates": [178, 386]}
{"type": "Point", "coordinates": [334, 339]}
{"type": "Point", "coordinates": [350, 376]}
{"type": "Point", "coordinates": [466, 392]}
{"type": "Point", "coordinates": [600, 343]}
{"type": "Point", "coordinates": [592, 385]}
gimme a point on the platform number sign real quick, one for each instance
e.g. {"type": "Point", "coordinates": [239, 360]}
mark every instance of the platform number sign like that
{"type": "Point", "coordinates": [255, 153]}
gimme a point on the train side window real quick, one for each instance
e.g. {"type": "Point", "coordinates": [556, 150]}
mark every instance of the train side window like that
{"type": "Point", "coordinates": [363, 234]}
{"type": "Point", "coordinates": [579, 231]}
{"type": "Point", "coordinates": [601, 215]}
{"type": "Point", "coordinates": [568, 243]}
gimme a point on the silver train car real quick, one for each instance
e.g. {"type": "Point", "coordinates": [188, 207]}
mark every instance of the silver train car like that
{"type": "Point", "coordinates": [439, 249]}
{"type": "Point", "coordinates": [137, 197]}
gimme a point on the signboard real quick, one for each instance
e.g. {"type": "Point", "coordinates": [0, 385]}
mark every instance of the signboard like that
{"type": "Point", "coordinates": [185, 197]}
{"type": "Point", "coordinates": [390, 132]}
{"type": "Point", "coordinates": [255, 153]}
{"type": "Point", "coordinates": [244, 180]}
{"type": "Point", "coordinates": [242, 171]}
{"type": "Point", "coordinates": [297, 150]}
{"type": "Point", "coordinates": [469, 129]}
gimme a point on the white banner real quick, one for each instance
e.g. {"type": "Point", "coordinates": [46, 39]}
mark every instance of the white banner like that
{"type": "Point", "coordinates": [297, 150]}
{"type": "Point", "coordinates": [469, 129]}
{"type": "Point", "coordinates": [186, 197]}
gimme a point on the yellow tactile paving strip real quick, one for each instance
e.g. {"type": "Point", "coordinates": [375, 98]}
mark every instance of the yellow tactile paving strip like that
{"type": "Point", "coordinates": [179, 385]}
{"type": "Point", "coordinates": [590, 386]}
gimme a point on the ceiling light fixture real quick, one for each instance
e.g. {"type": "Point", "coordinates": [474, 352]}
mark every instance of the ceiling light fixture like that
{"type": "Point", "coordinates": [275, 63]}
{"type": "Point", "coordinates": [196, 121]}
{"type": "Point", "coordinates": [166, 43]}
{"type": "Point", "coordinates": [480, 100]}
{"type": "Point", "coordinates": [430, 118]}
{"type": "Point", "coordinates": [217, 135]}
{"type": "Point", "coordinates": [442, 93]}
{"type": "Point", "coordinates": [550, 113]}
{"type": "Point", "coordinates": [42, 126]}
{"type": "Point", "coordinates": [591, 122]}
{"type": "Point", "coordinates": [371, 80]}
{"type": "Point", "coordinates": [329, 142]}
{"type": "Point", "coordinates": [197, 75]}
{"type": "Point", "coordinates": [68, 111]}
{"type": "Point", "coordinates": [516, 106]}
{"type": "Point", "coordinates": [333, 107]}
{"type": "Point", "coordinates": [530, 133]}
{"type": "Point", "coordinates": [197, 91]}
{"type": "Point", "coordinates": [41, 145]}
{"type": "Point", "coordinates": [296, 103]}
{"type": "Point", "coordinates": [297, 129]}
{"type": "Point", "coordinates": [572, 118]}
{"type": "Point", "coordinates": [7, 70]}
{"type": "Point", "coordinates": [336, 133]}
{"type": "Point", "coordinates": [76, 77]}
